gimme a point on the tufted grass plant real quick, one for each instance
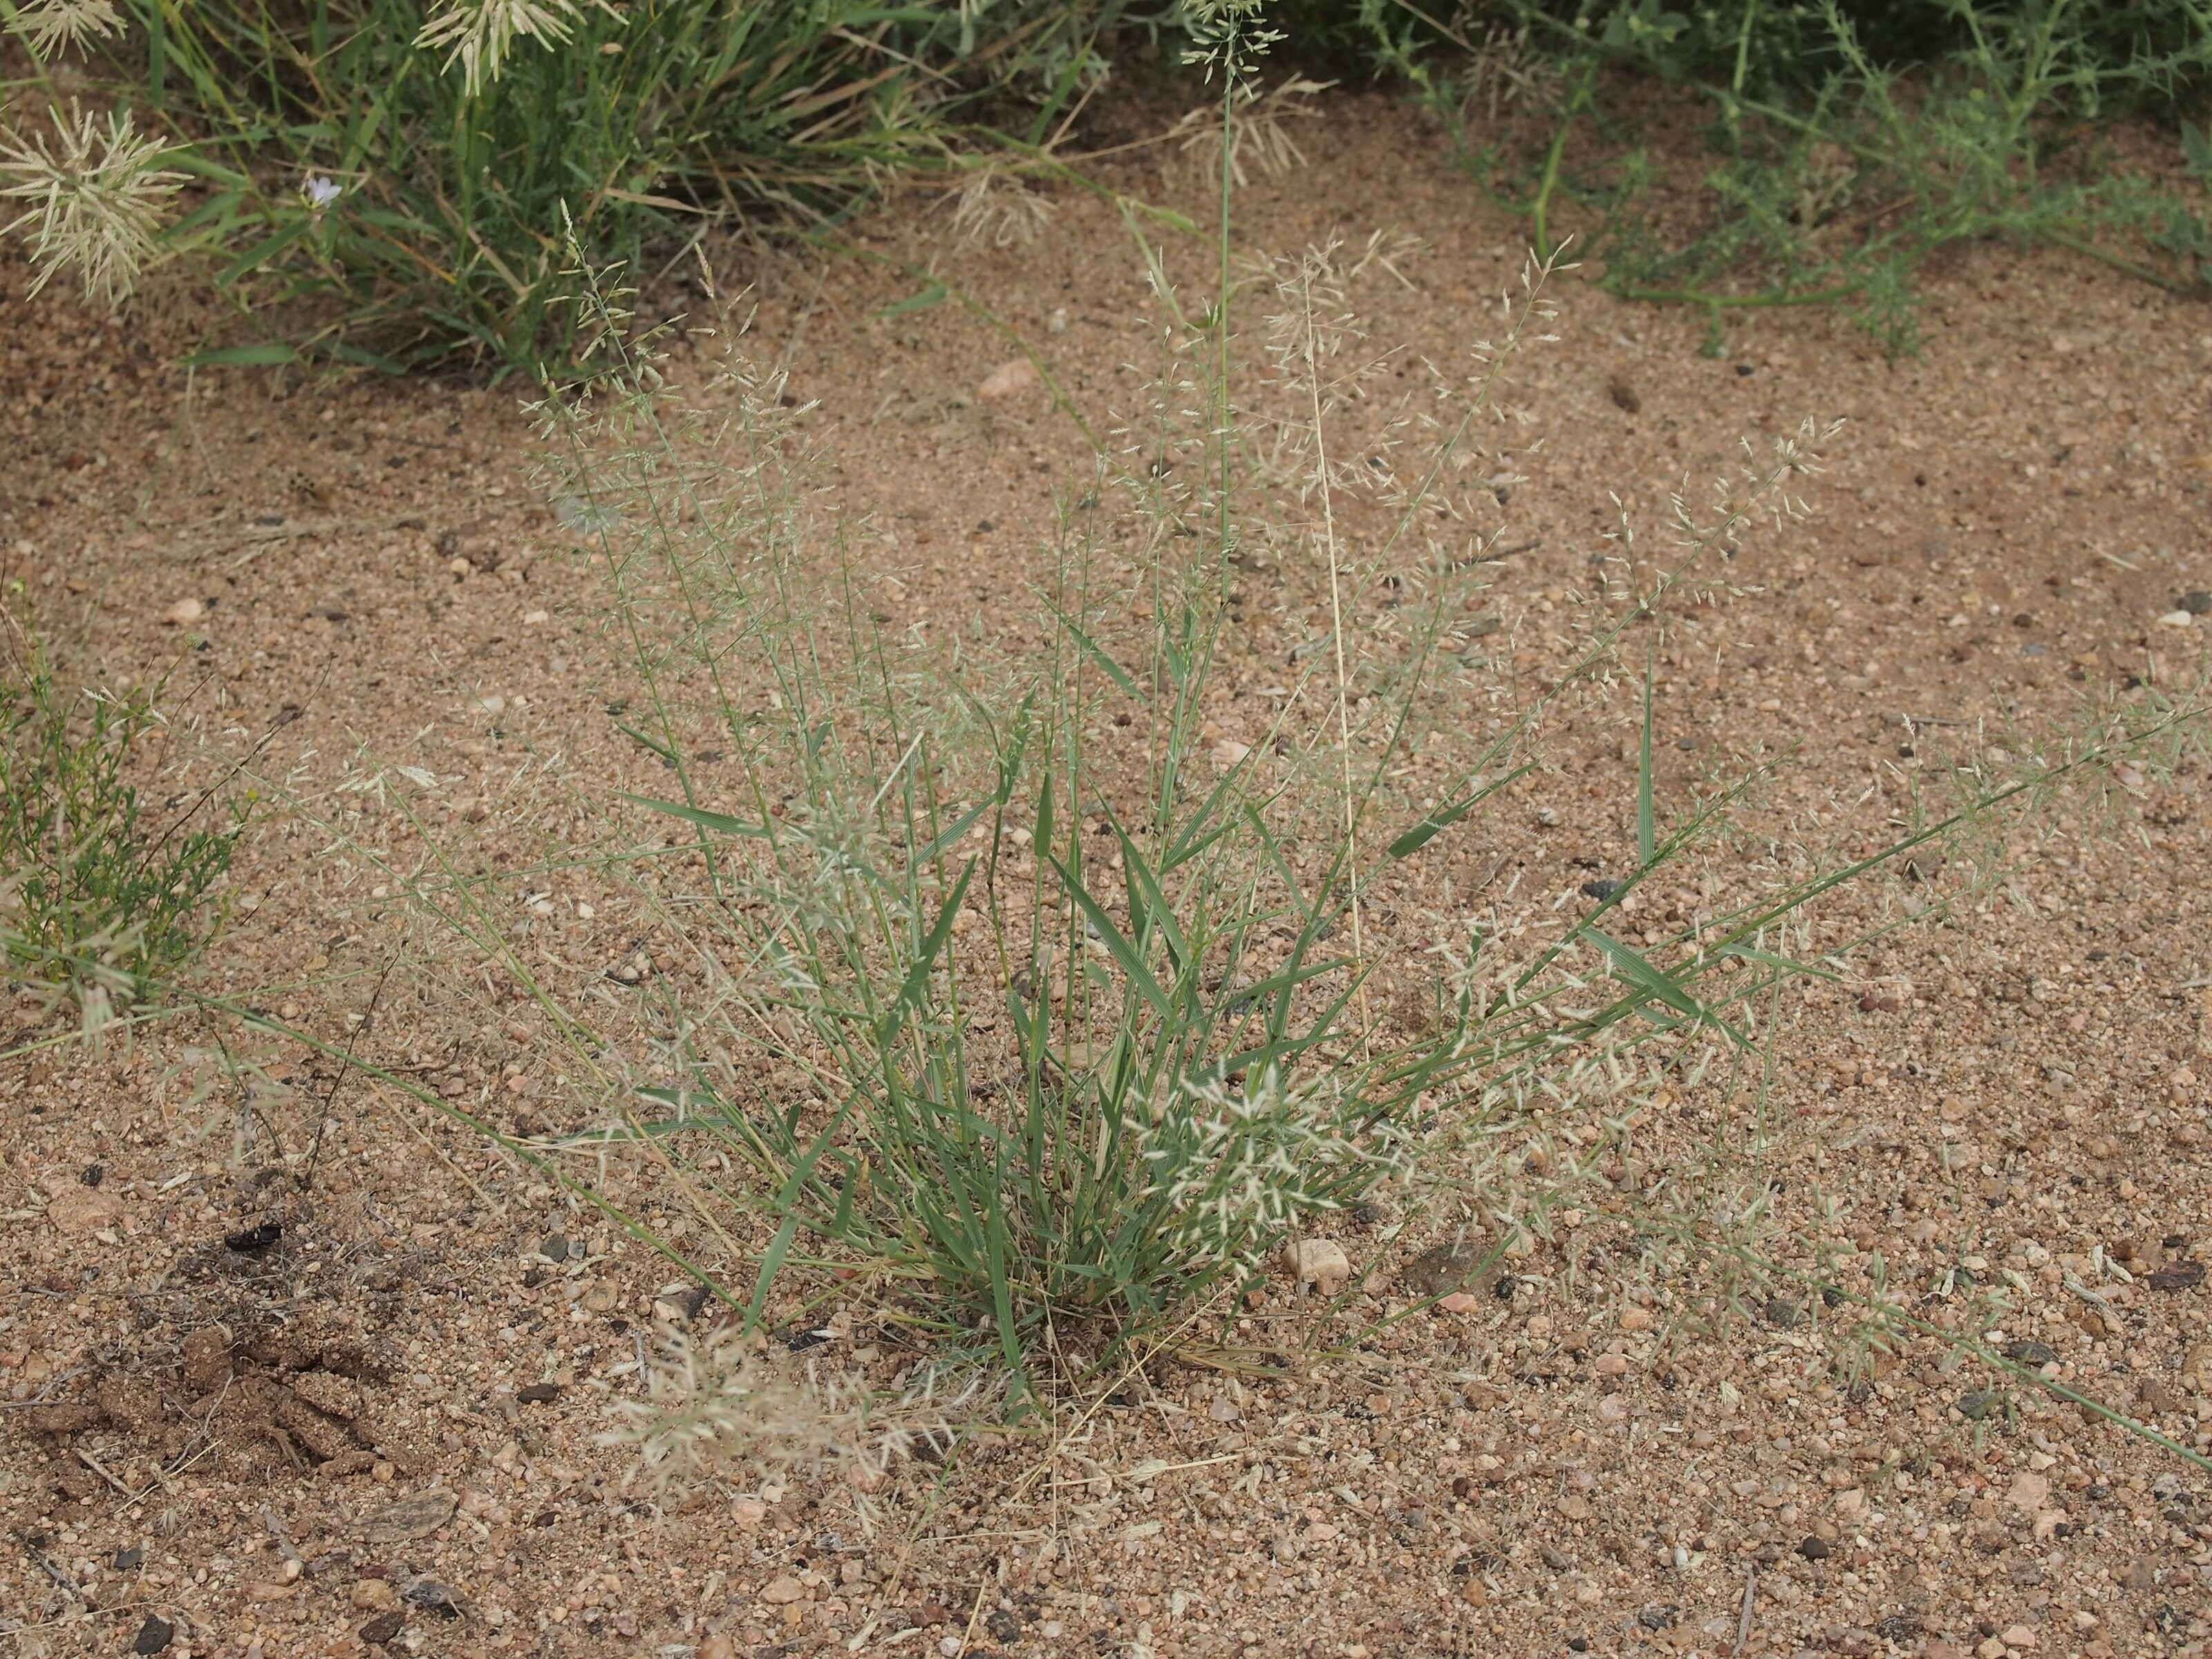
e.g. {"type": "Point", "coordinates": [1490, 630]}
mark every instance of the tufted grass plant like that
{"type": "Point", "coordinates": [101, 901]}
{"type": "Point", "coordinates": [1847, 142]}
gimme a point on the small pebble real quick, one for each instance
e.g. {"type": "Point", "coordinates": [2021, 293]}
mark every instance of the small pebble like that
{"type": "Point", "coordinates": [1008, 379]}
{"type": "Point", "coordinates": [782, 1591]}
{"type": "Point", "coordinates": [184, 613]}
{"type": "Point", "coordinates": [2178, 619]}
{"type": "Point", "coordinates": [1979, 1405]}
{"type": "Point", "coordinates": [1319, 1263]}
{"type": "Point", "coordinates": [2197, 602]}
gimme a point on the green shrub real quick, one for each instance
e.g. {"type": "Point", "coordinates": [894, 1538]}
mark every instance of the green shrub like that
{"type": "Point", "coordinates": [98, 904]}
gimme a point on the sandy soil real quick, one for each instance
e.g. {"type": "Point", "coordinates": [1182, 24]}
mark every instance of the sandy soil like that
{"type": "Point", "coordinates": [373, 1424]}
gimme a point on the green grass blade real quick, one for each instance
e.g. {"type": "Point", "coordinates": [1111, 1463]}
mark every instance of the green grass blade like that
{"type": "Point", "coordinates": [1444, 816]}
{"type": "Point", "coordinates": [1139, 975]}
{"type": "Point", "coordinates": [721, 823]}
{"type": "Point", "coordinates": [1647, 838]}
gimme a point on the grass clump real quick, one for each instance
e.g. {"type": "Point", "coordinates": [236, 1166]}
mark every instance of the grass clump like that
{"type": "Point", "coordinates": [376, 186]}
{"type": "Point", "coordinates": [100, 901]}
{"type": "Point", "coordinates": [1848, 143]}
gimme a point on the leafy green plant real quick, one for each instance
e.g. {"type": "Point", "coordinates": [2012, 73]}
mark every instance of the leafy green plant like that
{"type": "Point", "coordinates": [1850, 142]}
{"type": "Point", "coordinates": [99, 903]}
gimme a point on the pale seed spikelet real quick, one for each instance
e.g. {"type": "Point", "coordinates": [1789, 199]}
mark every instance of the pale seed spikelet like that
{"type": "Point", "coordinates": [96, 196]}
{"type": "Point", "coordinates": [480, 34]}
{"type": "Point", "coordinates": [49, 26]}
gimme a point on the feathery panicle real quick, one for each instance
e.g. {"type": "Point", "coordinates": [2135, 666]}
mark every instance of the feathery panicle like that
{"type": "Point", "coordinates": [47, 26]}
{"type": "Point", "coordinates": [96, 199]}
{"type": "Point", "coordinates": [718, 1403]}
{"type": "Point", "coordinates": [478, 34]}
{"type": "Point", "coordinates": [991, 206]}
{"type": "Point", "coordinates": [1260, 137]}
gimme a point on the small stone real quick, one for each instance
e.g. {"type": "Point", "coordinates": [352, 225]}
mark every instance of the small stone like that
{"type": "Point", "coordinates": [2029, 1492]}
{"type": "Point", "coordinates": [1319, 1263]}
{"type": "Point", "coordinates": [2182, 1276]}
{"type": "Point", "coordinates": [536, 618]}
{"type": "Point", "coordinates": [1231, 753]}
{"type": "Point", "coordinates": [1446, 1267]}
{"type": "Point", "coordinates": [1459, 1302]}
{"type": "Point", "coordinates": [382, 1629]}
{"type": "Point", "coordinates": [746, 1514]}
{"type": "Point", "coordinates": [182, 614]}
{"type": "Point", "coordinates": [1008, 379]}
{"type": "Point", "coordinates": [411, 1518]}
{"type": "Point", "coordinates": [555, 1247]}
{"type": "Point", "coordinates": [1601, 889]}
{"type": "Point", "coordinates": [601, 1298]}
{"type": "Point", "coordinates": [2197, 602]}
{"type": "Point", "coordinates": [1815, 1549]}
{"type": "Point", "coordinates": [782, 1591]}
{"type": "Point", "coordinates": [1224, 1410]}
{"type": "Point", "coordinates": [538, 1394]}
{"type": "Point", "coordinates": [2178, 619]}
{"type": "Point", "coordinates": [1613, 1364]}
{"type": "Point", "coordinates": [2029, 1353]}
{"type": "Point", "coordinates": [80, 1209]}
{"type": "Point", "coordinates": [154, 1636]}
{"type": "Point", "coordinates": [375, 1595]}
{"type": "Point", "coordinates": [1979, 1405]}
{"type": "Point", "coordinates": [2017, 1636]}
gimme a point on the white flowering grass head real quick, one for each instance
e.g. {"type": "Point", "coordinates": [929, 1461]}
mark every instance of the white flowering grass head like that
{"type": "Point", "coordinates": [98, 197]}
{"type": "Point", "coordinates": [480, 35]}
{"type": "Point", "coordinates": [48, 26]}
{"type": "Point", "coordinates": [1241, 1164]}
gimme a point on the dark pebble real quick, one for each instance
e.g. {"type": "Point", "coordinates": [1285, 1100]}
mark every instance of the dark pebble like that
{"type": "Point", "coordinates": [93, 1174]}
{"type": "Point", "coordinates": [2197, 602]}
{"type": "Point", "coordinates": [1815, 1549]}
{"type": "Point", "coordinates": [1980, 1404]}
{"type": "Point", "coordinates": [1783, 1313]}
{"type": "Point", "coordinates": [1004, 1625]}
{"type": "Point", "coordinates": [1602, 888]}
{"type": "Point", "coordinates": [253, 1241]}
{"type": "Point", "coordinates": [554, 1248]}
{"type": "Point", "coordinates": [2030, 1353]}
{"type": "Point", "coordinates": [154, 1636]}
{"type": "Point", "coordinates": [2182, 1276]}
{"type": "Point", "coordinates": [131, 1559]}
{"type": "Point", "coordinates": [382, 1628]}
{"type": "Point", "coordinates": [538, 1394]}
